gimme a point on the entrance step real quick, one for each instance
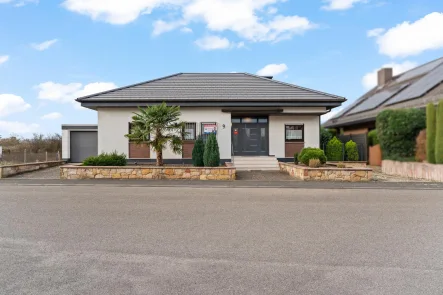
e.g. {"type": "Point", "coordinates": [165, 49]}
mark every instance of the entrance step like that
{"type": "Point", "coordinates": [256, 163]}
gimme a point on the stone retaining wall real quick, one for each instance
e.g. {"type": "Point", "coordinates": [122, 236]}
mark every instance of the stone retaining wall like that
{"type": "Point", "coordinates": [147, 172]}
{"type": "Point", "coordinates": [10, 170]}
{"type": "Point", "coordinates": [413, 170]}
{"type": "Point", "coordinates": [327, 173]}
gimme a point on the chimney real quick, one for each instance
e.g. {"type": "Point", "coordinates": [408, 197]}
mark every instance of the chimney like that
{"type": "Point", "coordinates": [384, 76]}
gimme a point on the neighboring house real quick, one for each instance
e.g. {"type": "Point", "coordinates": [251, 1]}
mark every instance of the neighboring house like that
{"type": "Point", "coordinates": [251, 115]}
{"type": "Point", "coordinates": [412, 89]}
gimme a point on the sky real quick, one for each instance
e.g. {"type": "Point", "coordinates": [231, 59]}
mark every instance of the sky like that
{"type": "Point", "coordinates": [53, 51]}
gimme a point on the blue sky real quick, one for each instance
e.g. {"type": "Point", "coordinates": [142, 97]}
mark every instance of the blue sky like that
{"type": "Point", "coordinates": [53, 51]}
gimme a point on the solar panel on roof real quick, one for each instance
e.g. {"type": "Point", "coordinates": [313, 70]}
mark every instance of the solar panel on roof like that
{"type": "Point", "coordinates": [421, 87]}
{"type": "Point", "coordinates": [377, 99]}
{"type": "Point", "coordinates": [420, 70]}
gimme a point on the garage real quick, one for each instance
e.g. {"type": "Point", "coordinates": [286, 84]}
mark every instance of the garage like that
{"type": "Point", "coordinates": [79, 142]}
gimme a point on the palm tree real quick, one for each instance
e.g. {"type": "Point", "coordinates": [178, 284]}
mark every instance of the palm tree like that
{"type": "Point", "coordinates": [158, 126]}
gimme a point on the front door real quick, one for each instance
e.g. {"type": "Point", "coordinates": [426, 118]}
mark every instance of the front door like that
{"type": "Point", "coordinates": [250, 136]}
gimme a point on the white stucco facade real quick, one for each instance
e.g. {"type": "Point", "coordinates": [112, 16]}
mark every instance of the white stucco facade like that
{"type": "Point", "coordinates": [277, 132]}
{"type": "Point", "coordinates": [113, 124]}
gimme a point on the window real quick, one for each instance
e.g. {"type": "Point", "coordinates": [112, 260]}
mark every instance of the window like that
{"type": "Point", "coordinates": [129, 132]}
{"type": "Point", "coordinates": [249, 120]}
{"type": "Point", "coordinates": [236, 120]}
{"type": "Point", "coordinates": [294, 133]}
{"type": "Point", "coordinates": [190, 131]}
{"type": "Point", "coordinates": [263, 120]}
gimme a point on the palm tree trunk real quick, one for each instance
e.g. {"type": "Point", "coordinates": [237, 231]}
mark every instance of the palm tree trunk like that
{"type": "Point", "coordinates": [160, 158]}
{"type": "Point", "coordinates": [160, 150]}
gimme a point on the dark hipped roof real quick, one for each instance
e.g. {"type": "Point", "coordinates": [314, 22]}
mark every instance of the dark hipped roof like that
{"type": "Point", "coordinates": [412, 89]}
{"type": "Point", "coordinates": [211, 87]}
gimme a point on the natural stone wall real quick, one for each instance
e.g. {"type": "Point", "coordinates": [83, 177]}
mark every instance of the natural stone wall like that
{"type": "Point", "coordinates": [10, 170]}
{"type": "Point", "coordinates": [350, 164]}
{"type": "Point", "coordinates": [326, 173]}
{"type": "Point", "coordinates": [147, 172]}
{"type": "Point", "coordinates": [413, 170]}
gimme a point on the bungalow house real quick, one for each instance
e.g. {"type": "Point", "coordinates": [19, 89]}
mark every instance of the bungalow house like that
{"type": "Point", "coordinates": [252, 116]}
{"type": "Point", "coordinates": [412, 89]}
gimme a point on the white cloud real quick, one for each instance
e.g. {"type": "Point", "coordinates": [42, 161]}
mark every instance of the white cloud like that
{"type": "Point", "coordinates": [67, 93]}
{"type": "Point", "coordinates": [19, 3]}
{"type": "Point", "coordinates": [408, 39]}
{"type": "Point", "coordinates": [369, 80]}
{"type": "Point", "coordinates": [246, 18]}
{"type": "Point", "coordinates": [340, 4]}
{"type": "Point", "coordinates": [51, 116]}
{"type": "Point", "coordinates": [186, 30]}
{"type": "Point", "coordinates": [4, 58]}
{"type": "Point", "coordinates": [10, 104]}
{"type": "Point", "coordinates": [375, 32]}
{"type": "Point", "coordinates": [273, 70]}
{"type": "Point", "coordinates": [272, 10]}
{"type": "Point", "coordinates": [213, 43]}
{"type": "Point", "coordinates": [15, 127]}
{"type": "Point", "coordinates": [44, 45]}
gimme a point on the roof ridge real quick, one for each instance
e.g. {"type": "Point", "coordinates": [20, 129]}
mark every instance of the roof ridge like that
{"type": "Point", "coordinates": [125, 87]}
{"type": "Point", "coordinates": [295, 86]}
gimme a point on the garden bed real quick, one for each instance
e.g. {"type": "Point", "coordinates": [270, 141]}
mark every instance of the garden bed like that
{"type": "Point", "coordinates": [147, 172]}
{"type": "Point", "coordinates": [349, 164]}
{"type": "Point", "coordinates": [327, 173]}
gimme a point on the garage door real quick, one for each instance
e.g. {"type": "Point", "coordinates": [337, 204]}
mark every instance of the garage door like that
{"type": "Point", "coordinates": [83, 145]}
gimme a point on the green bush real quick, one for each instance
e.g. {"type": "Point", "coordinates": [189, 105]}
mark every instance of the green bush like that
{"type": "Point", "coordinates": [325, 136]}
{"type": "Point", "coordinates": [296, 158]}
{"type": "Point", "coordinates": [105, 159]}
{"type": "Point", "coordinates": [397, 131]}
{"type": "Point", "coordinates": [439, 135]}
{"type": "Point", "coordinates": [431, 131]}
{"type": "Point", "coordinates": [198, 152]}
{"type": "Point", "coordinates": [373, 138]}
{"type": "Point", "coordinates": [211, 156]}
{"type": "Point", "coordinates": [351, 151]}
{"type": "Point", "coordinates": [311, 153]}
{"type": "Point", "coordinates": [334, 150]}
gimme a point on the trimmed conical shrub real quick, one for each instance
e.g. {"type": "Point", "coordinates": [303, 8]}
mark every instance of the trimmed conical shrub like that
{"type": "Point", "coordinates": [351, 151]}
{"type": "Point", "coordinates": [439, 135]}
{"type": "Point", "coordinates": [197, 153]}
{"type": "Point", "coordinates": [211, 156]}
{"type": "Point", "coordinates": [431, 127]}
{"type": "Point", "coordinates": [334, 150]}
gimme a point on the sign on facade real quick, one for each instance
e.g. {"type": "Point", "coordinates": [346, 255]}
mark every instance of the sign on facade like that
{"type": "Point", "coordinates": [209, 128]}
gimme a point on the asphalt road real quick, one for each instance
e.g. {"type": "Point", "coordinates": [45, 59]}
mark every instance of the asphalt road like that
{"type": "Point", "coordinates": [147, 240]}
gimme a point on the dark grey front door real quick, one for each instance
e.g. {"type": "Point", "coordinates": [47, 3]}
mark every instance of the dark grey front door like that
{"type": "Point", "coordinates": [250, 139]}
{"type": "Point", "coordinates": [83, 145]}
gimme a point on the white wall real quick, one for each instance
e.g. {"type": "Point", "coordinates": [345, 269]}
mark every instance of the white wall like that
{"type": "Point", "coordinates": [113, 124]}
{"type": "Point", "coordinates": [277, 132]}
{"type": "Point", "coordinates": [66, 144]}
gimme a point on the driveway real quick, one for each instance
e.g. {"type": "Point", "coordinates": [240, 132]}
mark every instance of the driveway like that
{"type": "Point", "coordinates": [49, 173]}
{"type": "Point", "coordinates": [168, 240]}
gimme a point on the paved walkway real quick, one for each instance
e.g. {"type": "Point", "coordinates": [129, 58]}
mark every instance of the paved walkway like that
{"type": "Point", "coordinates": [50, 173]}
{"type": "Point", "coordinates": [264, 176]}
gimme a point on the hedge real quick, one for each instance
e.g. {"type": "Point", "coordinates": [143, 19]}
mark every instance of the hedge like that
{"type": "Point", "coordinates": [431, 126]}
{"type": "Point", "coordinates": [439, 135]}
{"type": "Point", "coordinates": [105, 159]}
{"type": "Point", "coordinates": [373, 138]}
{"type": "Point", "coordinates": [397, 131]}
{"type": "Point", "coordinates": [325, 137]}
{"type": "Point", "coordinates": [198, 152]}
{"type": "Point", "coordinates": [351, 151]}
{"type": "Point", "coordinates": [211, 156]}
{"type": "Point", "coordinates": [311, 153]}
{"type": "Point", "coordinates": [334, 150]}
